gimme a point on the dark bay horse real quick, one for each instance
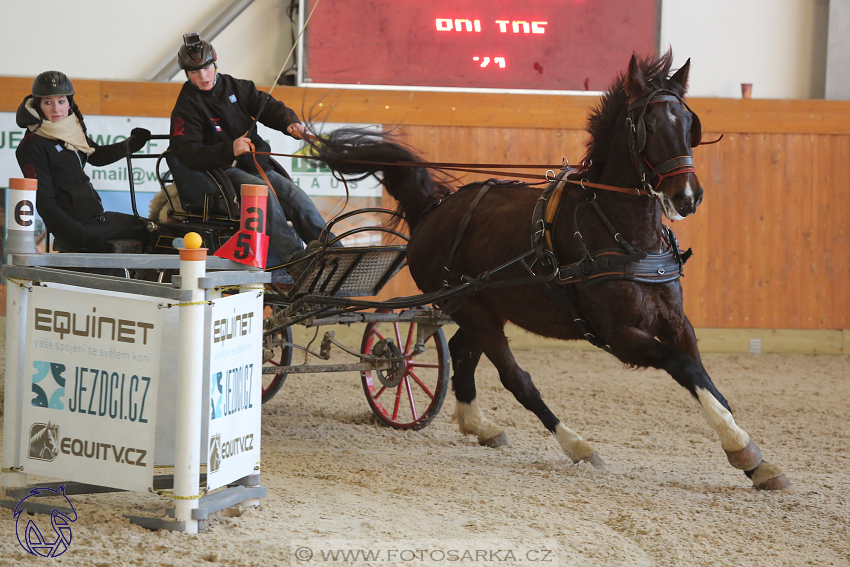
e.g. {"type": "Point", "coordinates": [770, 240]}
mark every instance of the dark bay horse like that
{"type": "Point", "coordinates": [641, 138]}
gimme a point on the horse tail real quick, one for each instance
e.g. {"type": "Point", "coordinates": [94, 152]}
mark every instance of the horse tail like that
{"type": "Point", "coordinates": [359, 152]}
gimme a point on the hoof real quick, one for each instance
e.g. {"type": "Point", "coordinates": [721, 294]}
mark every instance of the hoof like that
{"type": "Point", "coordinates": [770, 477]}
{"type": "Point", "coordinates": [500, 440]}
{"type": "Point", "coordinates": [746, 459]}
{"type": "Point", "coordinates": [595, 460]}
{"type": "Point", "coordinates": [780, 482]}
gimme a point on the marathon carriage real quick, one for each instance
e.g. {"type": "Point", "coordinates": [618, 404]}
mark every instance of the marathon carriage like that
{"type": "Point", "coordinates": [403, 356]}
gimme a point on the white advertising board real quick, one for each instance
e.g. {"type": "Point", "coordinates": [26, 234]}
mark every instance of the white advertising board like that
{"type": "Point", "coordinates": [312, 178]}
{"type": "Point", "coordinates": [234, 346]}
{"type": "Point", "coordinates": [92, 371]}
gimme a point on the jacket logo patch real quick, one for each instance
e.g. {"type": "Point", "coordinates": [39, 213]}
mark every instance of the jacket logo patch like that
{"type": "Point", "coordinates": [215, 122]}
{"type": "Point", "coordinates": [232, 98]}
{"type": "Point", "coordinates": [178, 126]}
{"type": "Point", "coordinates": [58, 147]}
{"type": "Point", "coordinates": [29, 172]}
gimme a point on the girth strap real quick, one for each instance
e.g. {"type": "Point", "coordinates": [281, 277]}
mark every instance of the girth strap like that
{"type": "Point", "coordinates": [464, 222]}
{"type": "Point", "coordinates": [565, 298]}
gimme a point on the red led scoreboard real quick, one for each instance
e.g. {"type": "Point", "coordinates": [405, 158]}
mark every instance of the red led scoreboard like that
{"type": "Point", "coordinates": [498, 44]}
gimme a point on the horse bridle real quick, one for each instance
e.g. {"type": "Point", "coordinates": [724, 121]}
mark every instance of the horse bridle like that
{"type": "Point", "coordinates": [636, 135]}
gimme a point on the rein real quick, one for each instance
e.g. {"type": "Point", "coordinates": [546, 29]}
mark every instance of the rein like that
{"type": "Point", "coordinates": [473, 168]}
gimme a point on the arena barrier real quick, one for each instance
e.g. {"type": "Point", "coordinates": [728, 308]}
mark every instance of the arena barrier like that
{"type": "Point", "coordinates": [109, 377]}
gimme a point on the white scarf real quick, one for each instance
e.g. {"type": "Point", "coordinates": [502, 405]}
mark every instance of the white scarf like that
{"type": "Point", "coordinates": [67, 130]}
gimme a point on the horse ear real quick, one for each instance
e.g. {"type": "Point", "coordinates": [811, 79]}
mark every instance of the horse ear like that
{"type": "Point", "coordinates": [681, 76]}
{"type": "Point", "coordinates": [635, 80]}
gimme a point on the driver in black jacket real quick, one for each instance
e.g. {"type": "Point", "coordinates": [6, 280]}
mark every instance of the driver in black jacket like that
{"type": "Point", "coordinates": [211, 127]}
{"type": "Point", "coordinates": [54, 150]}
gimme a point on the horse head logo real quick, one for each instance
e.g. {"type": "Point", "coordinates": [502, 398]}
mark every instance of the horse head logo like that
{"type": "Point", "coordinates": [44, 441]}
{"type": "Point", "coordinates": [214, 459]}
{"type": "Point", "coordinates": [31, 538]}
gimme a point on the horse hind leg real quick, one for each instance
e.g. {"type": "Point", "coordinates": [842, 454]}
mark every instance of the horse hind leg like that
{"type": "Point", "coordinates": [468, 415]}
{"type": "Point", "coordinates": [488, 336]}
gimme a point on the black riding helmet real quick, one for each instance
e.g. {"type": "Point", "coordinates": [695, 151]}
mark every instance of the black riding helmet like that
{"type": "Point", "coordinates": [52, 83]}
{"type": "Point", "coordinates": [195, 53]}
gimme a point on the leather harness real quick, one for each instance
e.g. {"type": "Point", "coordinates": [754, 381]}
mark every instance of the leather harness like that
{"type": "Point", "coordinates": [621, 263]}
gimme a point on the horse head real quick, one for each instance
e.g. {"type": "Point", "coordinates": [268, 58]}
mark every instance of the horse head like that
{"type": "Point", "coordinates": [661, 130]}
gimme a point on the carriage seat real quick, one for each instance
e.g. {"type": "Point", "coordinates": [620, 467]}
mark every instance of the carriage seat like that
{"type": "Point", "coordinates": [206, 195]}
{"type": "Point", "coordinates": [203, 195]}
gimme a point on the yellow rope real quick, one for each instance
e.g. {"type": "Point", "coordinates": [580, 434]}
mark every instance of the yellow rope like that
{"type": "Point", "coordinates": [170, 305]}
{"type": "Point", "coordinates": [227, 288]}
{"type": "Point", "coordinates": [12, 469]}
{"type": "Point", "coordinates": [170, 494]}
{"type": "Point", "coordinates": [21, 283]}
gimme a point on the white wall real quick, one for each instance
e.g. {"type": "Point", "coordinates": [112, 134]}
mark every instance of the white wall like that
{"type": "Point", "coordinates": [778, 45]}
{"type": "Point", "coordinates": [133, 39]}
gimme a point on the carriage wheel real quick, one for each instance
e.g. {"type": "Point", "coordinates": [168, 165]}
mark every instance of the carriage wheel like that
{"type": "Point", "coordinates": [276, 353]}
{"type": "Point", "coordinates": [410, 395]}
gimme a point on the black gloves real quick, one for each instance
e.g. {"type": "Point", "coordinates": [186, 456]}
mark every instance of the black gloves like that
{"type": "Point", "coordinates": [138, 138]}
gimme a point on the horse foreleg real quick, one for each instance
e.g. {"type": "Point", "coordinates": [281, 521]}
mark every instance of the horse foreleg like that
{"type": "Point", "coordinates": [682, 363]}
{"type": "Point", "coordinates": [471, 421]}
{"type": "Point", "coordinates": [487, 333]}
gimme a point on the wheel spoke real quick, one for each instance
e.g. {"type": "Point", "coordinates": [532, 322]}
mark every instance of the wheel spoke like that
{"type": "Point", "coordinates": [410, 398]}
{"type": "Point", "coordinates": [410, 332]}
{"type": "Point", "coordinates": [397, 334]}
{"type": "Point", "coordinates": [397, 403]}
{"type": "Point", "coordinates": [421, 385]}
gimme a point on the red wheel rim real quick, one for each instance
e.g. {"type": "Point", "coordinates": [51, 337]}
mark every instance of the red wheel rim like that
{"type": "Point", "coordinates": [420, 390]}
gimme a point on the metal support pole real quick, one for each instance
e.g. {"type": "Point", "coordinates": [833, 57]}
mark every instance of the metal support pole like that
{"type": "Point", "coordinates": [190, 390]}
{"type": "Point", "coordinates": [16, 315]}
{"type": "Point", "coordinates": [20, 239]}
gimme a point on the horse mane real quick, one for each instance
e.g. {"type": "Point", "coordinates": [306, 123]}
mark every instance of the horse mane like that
{"type": "Point", "coordinates": [605, 116]}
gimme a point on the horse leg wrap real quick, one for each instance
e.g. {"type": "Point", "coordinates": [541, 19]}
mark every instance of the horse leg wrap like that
{"type": "Point", "coordinates": [583, 452]}
{"type": "Point", "coordinates": [770, 477]}
{"type": "Point", "coordinates": [576, 448]}
{"type": "Point", "coordinates": [746, 459]}
{"type": "Point", "coordinates": [472, 422]}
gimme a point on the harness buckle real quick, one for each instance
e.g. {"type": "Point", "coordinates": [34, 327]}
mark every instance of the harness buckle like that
{"type": "Point", "coordinates": [548, 171]}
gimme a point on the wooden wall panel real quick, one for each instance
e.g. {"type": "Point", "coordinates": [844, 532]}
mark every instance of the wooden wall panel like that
{"type": "Point", "coordinates": [770, 239]}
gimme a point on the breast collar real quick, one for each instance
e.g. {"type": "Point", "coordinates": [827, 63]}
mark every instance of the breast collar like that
{"type": "Point", "coordinates": [621, 263]}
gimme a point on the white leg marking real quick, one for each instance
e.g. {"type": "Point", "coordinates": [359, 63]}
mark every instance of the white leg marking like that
{"type": "Point", "coordinates": [732, 437]}
{"type": "Point", "coordinates": [571, 442]}
{"type": "Point", "coordinates": [472, 422]}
